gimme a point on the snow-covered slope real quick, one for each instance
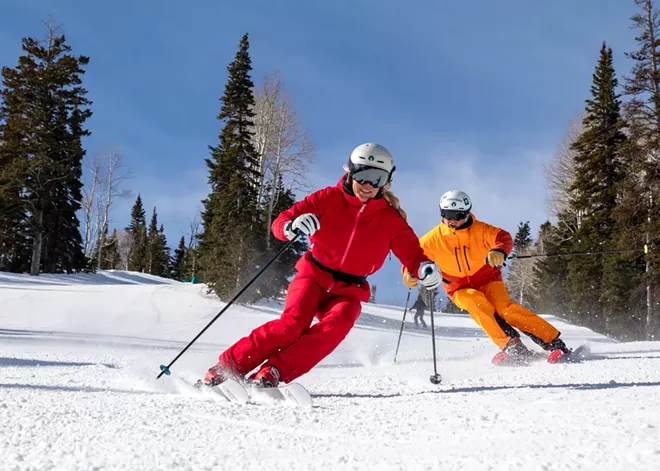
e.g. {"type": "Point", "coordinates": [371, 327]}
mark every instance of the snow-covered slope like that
{"type": "Point", "coordinates": [79, 357]}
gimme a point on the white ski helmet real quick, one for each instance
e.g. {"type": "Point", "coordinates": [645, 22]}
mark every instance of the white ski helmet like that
{"type": "Point", "coordinates": [455, 205]}
{"type": "Point", "coordinates": [371, 163]}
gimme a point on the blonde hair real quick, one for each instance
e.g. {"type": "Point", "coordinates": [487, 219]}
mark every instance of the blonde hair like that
{"type": "Point", "coordinates": [390, 197]}
{"type": "Point", "coordinates": [394, 201]}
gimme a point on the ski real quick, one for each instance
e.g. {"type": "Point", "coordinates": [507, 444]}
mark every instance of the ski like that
{"type": "Point", "coordinates": [578, 355]}
{"type": "Point", "coordinates": [293, 393]}
{"type": "Point", "coordinates": [502, 359]}
{"type": "Point", "coordinates": [236, 392]}
{"type": "Point", "coordinates": [232, 390]}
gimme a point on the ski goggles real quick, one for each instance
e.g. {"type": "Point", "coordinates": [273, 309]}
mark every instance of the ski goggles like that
{"type": "Point", "coordinates": [376, 177]}
{"type": "Point", "coordinates": [454, 214]}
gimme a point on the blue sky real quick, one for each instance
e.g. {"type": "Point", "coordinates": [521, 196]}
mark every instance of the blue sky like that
{"type": "Point", "coordinates": [471, 95]}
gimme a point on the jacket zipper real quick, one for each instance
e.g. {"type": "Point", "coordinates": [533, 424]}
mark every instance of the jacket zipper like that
{"type": "Point", "coordinates": [466, 259]}
{"type": "Point", "coordinates": [457, 262]}
{"type": "Point", "coordinates": [350, 241]}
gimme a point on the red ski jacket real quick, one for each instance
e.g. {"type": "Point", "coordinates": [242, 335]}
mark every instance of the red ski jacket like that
{"type": "Point", "coordinates": [354, 238]}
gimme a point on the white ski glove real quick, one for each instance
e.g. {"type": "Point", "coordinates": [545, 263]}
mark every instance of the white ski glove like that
{"type": "Point", "coordinates": [429, 275]}
{"type": "Point", "coordinates": [308, 224]}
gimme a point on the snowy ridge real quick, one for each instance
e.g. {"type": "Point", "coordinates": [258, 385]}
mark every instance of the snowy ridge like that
{"type": "Point", "coordinates": [79, 357]}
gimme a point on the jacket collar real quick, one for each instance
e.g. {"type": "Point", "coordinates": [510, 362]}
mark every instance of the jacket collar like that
{"type": "Point", "coordinates": [445, 229]}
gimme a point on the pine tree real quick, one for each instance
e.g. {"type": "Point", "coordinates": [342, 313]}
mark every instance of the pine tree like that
{"type": "Point", "coordinates": [639, 213]}
{"type": "Point", "coordinates": [597, 177]}
{"type": "Point", "coordinates": [153, 245]}
{"type": "Point", "coordinates": [191, 260]}
{"type": "Point", "coordinates": [229, 249]}
{"type": "Point", "coordinates": [523, 240]}
{"type": "Point", "coordinates": [137, 228]}
{"type": "Point", "coordinates": [42, 119]}
{"type": "Point", "coordinates": [138, 217]}
{"type": "Point", "coordinates": [551, 289]}
{"type": "Point", "coordinates": [14, 241]}
{"type": "Point", "coordinates": [163, 259]}
{"type": "Point", "coordinates": [275, 280]}
{"type": "Point", "coordinates": [138, 260]}
{"type": "Point", "coordinates": [178, 268]}
{"type": "Point", "coordinates": [451, 308]}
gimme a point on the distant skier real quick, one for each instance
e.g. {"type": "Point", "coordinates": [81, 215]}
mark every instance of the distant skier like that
{"type": "Point", "coordinates": [470, 253]}
{"type": "Point", "coordinates": [419, 306]}
{"type": "Point", "coordinates": [352, 227]}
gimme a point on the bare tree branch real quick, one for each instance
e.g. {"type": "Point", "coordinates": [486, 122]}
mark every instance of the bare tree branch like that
{"type": "Point", "coordinates": [195, 231]}
{"type": "Point", "coordinates": [560, 172]}
{"type": "Point", "coordinates": [125, 246]}
{"type": "Point", "coordinates": [89, 205]}
{"type": "Point", "coordinates": [107, 175]}
{"type": "Point", "coordinates": [285, 149]}
{"type": "Point", "coordinates": [521, 279]}
{"type": "Point", "coordinates": [112, 182]}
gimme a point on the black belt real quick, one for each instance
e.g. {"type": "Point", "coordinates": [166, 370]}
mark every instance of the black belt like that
{"type": "Point", "coordinates": [339, 275]}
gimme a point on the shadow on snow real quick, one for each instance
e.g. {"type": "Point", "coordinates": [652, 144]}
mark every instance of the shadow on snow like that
{"type": "Point", "coordinates": [479, 389]}
{"type": "Point", "coordinates": [88, 389]}
{"type": "Point", "coordinates": [5, 361]}
{"type": "Point", "coordinates": [100, 278]}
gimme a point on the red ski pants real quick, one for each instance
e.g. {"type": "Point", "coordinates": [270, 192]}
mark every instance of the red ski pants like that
{"type": "Point", "coordinates": [291, 343]}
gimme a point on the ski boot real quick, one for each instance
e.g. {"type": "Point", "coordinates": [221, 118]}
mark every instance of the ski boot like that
{"type": "Point", "coordinates": [559, 352]}
{"type": "Point", "coordinates": [514, 353]}
{"type": "Point", "coordinates": [214, 376]}
{"type": "Point", "coordinates": [266, 377]}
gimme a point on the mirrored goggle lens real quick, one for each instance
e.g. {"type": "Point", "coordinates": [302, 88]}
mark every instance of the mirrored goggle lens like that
{"type": "Point", "coordinates": [375, 176]}
{"type": "Point", "coordinates": [453, 214]}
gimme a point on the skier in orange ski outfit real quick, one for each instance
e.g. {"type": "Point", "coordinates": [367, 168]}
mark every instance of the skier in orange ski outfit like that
{"type": "Point", "coordinates": [469, 254]}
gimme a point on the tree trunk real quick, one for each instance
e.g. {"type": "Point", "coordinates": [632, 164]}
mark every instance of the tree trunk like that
{"type": "Point", "coordinates": [112, 164]}
{"type": "Point", "coordinates": [269, 217]}
{"type": "Point", "coordinates": [88, 204]}
{"type": "Point", "coordinates": [649, 310]}
{"type": "Point", "coordinates": [38, 242]}
{"type": "Point", "coordinates": [277, 173]}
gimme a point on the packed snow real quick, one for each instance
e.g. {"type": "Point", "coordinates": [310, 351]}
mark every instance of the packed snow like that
{"type": "Point", "coordinates": [79, 357]}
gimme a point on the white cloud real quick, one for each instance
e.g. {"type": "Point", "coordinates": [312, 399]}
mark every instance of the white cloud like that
{"type": "Point", "coordinates": [503, 192]}
{"type": "Point", "coordinates": [177, 198]}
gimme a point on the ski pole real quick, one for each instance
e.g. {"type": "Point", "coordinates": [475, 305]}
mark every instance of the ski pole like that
{"type": "Point", "coordinates": [402, 322]}
{"type": "Point", "coordinates": [569, 254]}
{"type": "Point", "coordinates": [165, 369]}
{"type": "Point", "coordinates": [435, 377]}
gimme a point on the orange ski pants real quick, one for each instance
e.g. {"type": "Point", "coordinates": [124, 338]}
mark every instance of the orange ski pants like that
{"type": "Point", "coordinates": [485, 303]}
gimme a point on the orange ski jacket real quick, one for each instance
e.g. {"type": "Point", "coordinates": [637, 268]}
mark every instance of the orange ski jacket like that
{"type": "Point", "coordinates": [461, 253]}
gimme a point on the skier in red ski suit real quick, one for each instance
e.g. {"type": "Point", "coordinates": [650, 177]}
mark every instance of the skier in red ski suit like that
{"type": "Point", "coordinates": [352, 227]}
